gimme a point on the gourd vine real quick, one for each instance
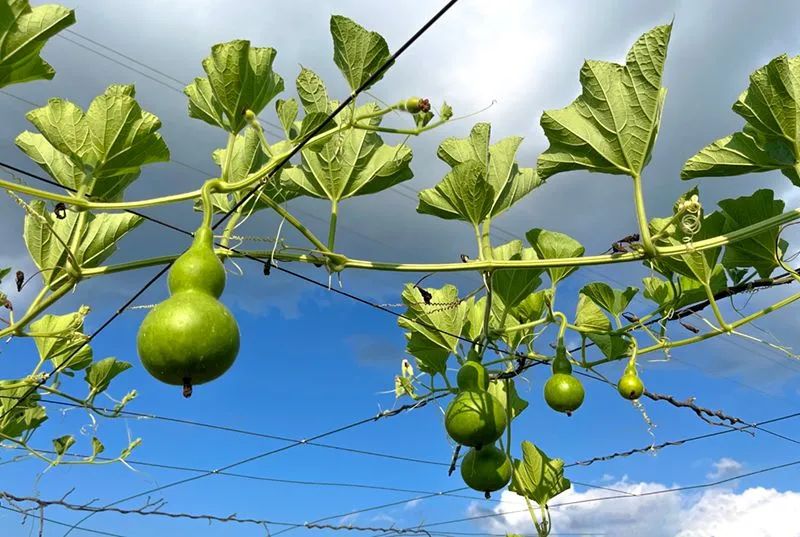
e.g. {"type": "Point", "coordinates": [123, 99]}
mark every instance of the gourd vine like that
{"type": "Point", "coordinates": [694, 255]}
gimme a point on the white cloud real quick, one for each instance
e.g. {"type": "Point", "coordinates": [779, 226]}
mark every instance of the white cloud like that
{"type": "Point", "coordinates": [756, 511]}
{"type": "Point", "coordinates": [725, 468]}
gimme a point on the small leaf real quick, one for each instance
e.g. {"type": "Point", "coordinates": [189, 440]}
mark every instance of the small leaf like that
{"type": "Point", "coordinates": [614, 301]}
{"type": "Point", "coordinates": [128, 450]}
{"type": "Point", "coordinates": [312, 92]}
{"type": "Point", "coordinates": [611, 127]}
{"type": "Point", "coordinates": [64, 340]}
{"type": "Point", "coordinates": [757, 251]}
{"type": "Point", "coordinates": [62, 444]}
{"type": "Point", "coordinates": [537, 476]}
{"type": "Point", "coordinates": [19, 409]}
{"type": "Point", "coordinates": [3, 273]}
{"type": "Point", "coordinates": [505, 390]}
{"type": "Point", "coordinates": [97, 449]}
{"type": "Point", "coordinates": [100, 374]}
{"type": "Point", "coordinates": [512, 286]}
{"type": "Point", "coordinates": [554, 245]}
{"type": "Point", "coordinates": [23, 34]}
{"type": "Point", "coordinates": [357, 52]}
{"type": "Point", "coordinates": [771, 135]}
{"type": "Point", "coordinates": [501, 184]}
{"type": "Point", "coordinates": [287, 113]}
{"type": "Point", "coordinates": [696, 265]}
{"type": "Point", "coordinates": [589, 316]}
{"type": "Point", "coordinates": [239, 78]}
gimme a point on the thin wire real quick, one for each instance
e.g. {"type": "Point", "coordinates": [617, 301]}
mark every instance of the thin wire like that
{"type": "Point", "coordinates": [57, 523]}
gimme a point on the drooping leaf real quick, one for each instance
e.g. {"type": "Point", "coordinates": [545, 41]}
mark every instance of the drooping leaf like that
{"type": "Point", "coordinates": [19, 409]}
{"type": "Point", "coordinates": [689, 289]}
{"type": "Point", "coordinates": [757, 251]}
{"type": "Point", "coordinates": [506, 392]}
{"type": "Point", "coordinates": [239, 78]}
{"type": "Point", "coordinates": [287, 113]}
{"type": "Point", "coordinates": [440, 320]}
{"type": "Point", "coordinates": [357, 52]}
{"type": "Point", "coordinates": [512, 286]}
{"type": "Point", "coordinates": [47, 238]}
{"type": "Point", "coordinates": [62, 444]}
{"type": "Point", "coordinates": [614, 301]}
{"type": "Point", "coordinates": [612, 126]}
{"type": "Point", "coordinates": [537, 476]}
{"type": "Point", "coordinates": [3, 273]}
{"type": "Point", "coordinates": [612, 346]}
{"type": "Point", "coordinates": [97, 449]}
{"type": "Point", "coordinates": [500, 184]}
{"type": "Point", "coordinates": [555, 245]}
{"type": "Point", "coordinates": [771, 135]}
{"type": "Point", "coordinates": [100, 374]}
{"type": "Point", "coordinates": [589, 316]}
{"type": "Point", "coordinates": [351, 163]}
{"type": "Point", "coordinates": [101, 150]}
{"type": "Point", "coordinates": [24, 31]}
{"type": "Point", "coordinates": [431, 357]}
{"type": "Point", "coordinates": [534, 306]}
{"type": "Point", "coordinates": [64, 340]}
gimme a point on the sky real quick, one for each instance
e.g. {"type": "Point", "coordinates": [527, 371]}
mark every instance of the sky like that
{"type": "Point", "coordinates": [312, 361]}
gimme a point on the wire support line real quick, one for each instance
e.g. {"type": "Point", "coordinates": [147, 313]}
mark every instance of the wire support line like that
{"type": "Point", "coordinates": [153, 509]}
{"type": "Point", "coordinates": [43, 518]}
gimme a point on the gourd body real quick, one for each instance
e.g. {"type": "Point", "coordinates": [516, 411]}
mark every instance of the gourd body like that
{"type": "Point", "coordinates": [191, 337]}
{"type": "Point", "coordinates": [475, 418]}
{"type": "Point", "coordinates": [486, 470]}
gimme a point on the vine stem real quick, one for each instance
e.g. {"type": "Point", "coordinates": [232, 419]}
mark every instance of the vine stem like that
{"type": "Point", "coordinates": [332, 224]}
{"type": "Point", "coordinates": [715, 308]}
{"type": "Point", "coordinates": [641, 216]}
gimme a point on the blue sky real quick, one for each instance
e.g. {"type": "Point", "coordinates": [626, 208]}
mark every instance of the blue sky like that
{"type": "Point", "coordinates": [312, 361]}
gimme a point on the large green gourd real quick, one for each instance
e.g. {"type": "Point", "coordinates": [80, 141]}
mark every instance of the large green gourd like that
{"type": "Point", "coordinates": [191, 337]}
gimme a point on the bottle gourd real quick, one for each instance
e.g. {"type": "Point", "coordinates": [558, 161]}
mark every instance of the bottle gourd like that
{"type": "Point", "coordinates": [191, 337]}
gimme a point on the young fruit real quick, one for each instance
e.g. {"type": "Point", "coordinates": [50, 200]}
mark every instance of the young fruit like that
{"type": "Point", "coordinates": [563, 393]}
{"type": "Point", "coordinates": [416, 105]}
{"type": "Point", "coordinates": [630, 386]}
{"type": "Point", "coordinates": [190, 338]}
{"type": "Point", "coordinates": [486, 470]}
{"type": "Point", "coordinates": [475, 418]}
{"type": "Point", "coordinates": [472, 376]}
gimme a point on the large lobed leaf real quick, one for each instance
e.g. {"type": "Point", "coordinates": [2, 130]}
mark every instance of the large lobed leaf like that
{"type": "Point", "coordinates": [612, 126]}
{"type": "Point", "coordinates": [351, 163]}
{"type": "Point", "coordinates": [485, 180]}
{"type": "Point", "coordinates": [357, 52]}
{"type": "Point", "coordinates": [102, 149]}
{"type": "Point", "coordinates": [239, 78]}
{"type": "Point", "coordinates": [24, 31]}
{"type": "Point", "coordinates": [537, 476]}
{"type": "Point", "coordinates": [439, 315]}
{"type": "Point", "coordinates": [771, 135]}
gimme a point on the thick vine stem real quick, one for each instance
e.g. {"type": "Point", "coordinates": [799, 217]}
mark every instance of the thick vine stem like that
{"type": "Point", "coordinates": [641, 217]}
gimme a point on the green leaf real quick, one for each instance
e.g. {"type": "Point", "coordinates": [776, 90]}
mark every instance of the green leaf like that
{"type": "Point", "coordinates": [97, 449]}
{"type": "Point", "coordinates": [757, 251]}
{"type": "Point", "coordinates": [611, 345]}
{"type": "Point", "coordinates": [354, 162]}
{"type": "Point", "coordinates": [505, 393]}
{"type": "Point", "coordinates": [612, 126]}
{"type": "Point", "coordinates": [771, 135]}
{"type": "Point", "coordinates": [287, 113]}
{"type": "Point", "coordinates": [534, 306]}
{"type": "Point", "coordinates": [441, 321]}
{"type": "Point", "coordinates": [501, 183]}
{"type": "Point", "coordinates": [239, 78]}
{"type": "Point", "coordinates": [512, 286]}
{"type": "Point", "coordinates": [100, 374]}
{"type": "Point", "coordinates": [554, 245]}
{"type": "Point", "coordinates": [431, 357]}
{"type": "Point", "coordinates": [537, 476]}
{"type": "Point", "coordinates": [19, 409]}
{"type": "Point", "coordinates": [312, 92]}
{"type": "Point", "coordinates": [248, 156]}
{"type": "Point", "coordinates": [23, 34]}
{"type": "Point", "coordinates": [46, 237]}
{"type": "Point", "coordinates": [614, 301]}
{"type": "Point", "coordinates": [589, 316]}
{"type": "Point", "coordinates": [357, 52]}
{"type": "Point", "coordinates": [102, 150]}
{"type": "Point", "coordinates": [697, 265]}
{"type": "Point", "coordinates": [61, 445]}
{"type": "Point", "coordinates": [690, 291]}
{"type": "Point", "coordinates": [3, 273]}
{"type": "Point", "coordinates": [65, 340]}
